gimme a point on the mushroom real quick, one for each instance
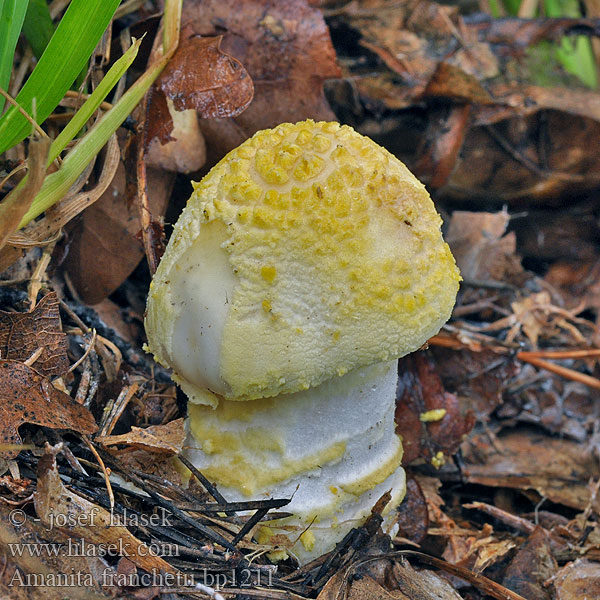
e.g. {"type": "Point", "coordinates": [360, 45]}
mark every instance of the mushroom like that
{"type": "Point", "coordinates": [304, 264]}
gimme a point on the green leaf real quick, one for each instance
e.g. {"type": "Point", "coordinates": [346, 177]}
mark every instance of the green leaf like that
{"type": "Point", "coordinates": [72, 44]}
{"type": "Point", "coordinates": [12, 15]}
{"type": "Point", "coordinates": [80, 118]}
{"type": "Point", "coordinates": [38, 27]}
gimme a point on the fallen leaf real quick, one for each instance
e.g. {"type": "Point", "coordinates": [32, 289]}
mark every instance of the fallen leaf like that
{"type": "Point", "coordinates": [495, 135]}
{"type": "Point", "coordinates": [102, 247]}
{"type": "Point", "coordinates": [87, 520]}
{"type": "Point", "coordinates": [200, 81]}
{"type": "Point", "coordinates": [423, 584]}
{"type": "Point", "coordinates": [517, 34]}
{"type": "Point", "coordinates": [15, 204]}
{"type": "Point", "coordinates": [50, 557]}
{"type": "Point", "coordinates": [531, 566]}
{"type": "Point", "coordinates": [537, 316]}
{"type": "Point", "coordinates": [286, 49]}
{"type": "Point", "coordinates": [26, 396]}
{"type": "Point", "coordinates": [202, 77]}
{"type": "Point", "coordinates": [164, 439]}
{"type": "Point", "coordinates": [490, 552]}
{"type": "Point", "coordinates": [452, 82]}
{"type": "Point", "coordinates": [364, 587]}
{"type": "Point", "coordinates": [417, 42]}
{"type": "Point", "coordinates": [524, 459]}
{"type": "Point", "coordinates": [421, 393]}
{"type": "Point", "coordinates": [411, 516]}
{"type": "Point", "coordinates": [482, 248]}
{"type": "Point", "coordinates": [504, 159]}
{"type": "Point", "coordinates": [578, 580]}
{"type": "Point", "coordinates": [21, 334]}
{"type": "Point", "coordinates": [477, 378]}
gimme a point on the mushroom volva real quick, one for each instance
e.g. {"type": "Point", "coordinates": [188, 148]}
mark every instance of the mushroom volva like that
{"type": "Point", "coordinates": [304, 264]}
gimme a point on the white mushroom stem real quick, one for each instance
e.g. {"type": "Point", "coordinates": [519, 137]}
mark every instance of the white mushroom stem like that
{"type": "Point", "coordinates": [332, 449]}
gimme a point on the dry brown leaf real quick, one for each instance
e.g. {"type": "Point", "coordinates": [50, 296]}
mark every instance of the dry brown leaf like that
{"type": "Point", "coordinates": [538, 316]}
{"type": "Point", "coordinates": [366, 588]}
{"type": "Point", "coordinates": [49, 561]}
{"type": "Point", "coordinates": [286, 49]}
{"type": "Point", "coordinates": [464, 544]}
{"type": "Point", "coordinates": [532, 565]}
{"type": "Point", "coordinates": [423, 584]}
{"type": "Point", "coordinates": [427, 417]}
{"type": "Point", "coordinates": [21, 334]}
{"type": "Point", "coordinates": [200, 81]}
{"type": "Point", "coordinates": [509, 157]}
{"type": "Point", "coordinates": [502, 139]}
{"type": "Point", "coordinates": [490, 552]}
{"type": "Point", "coordinates": [469, 375]}
{"type": "Point", "coordinates": [531, 316]}
{"type": "Point", "coordinates": [202, 77]}
{"type": "Point", "coordinates": [102, 247]}
{"type": "Point", "coordinates": [14, 206]}
{"type": "Point", "coordinates": [557, 469]}
{"type": "Point", "coordinates": [430, 487]}
{"type": "Point", "coordinates": [359, 588]}
{"type": "Point", "coordinates": [417, 42]}
{"type": "Point", "coordinates": [452, 82]}
{"type": "Point", "coordinates": [578, 580]}
{"type": "Point", "coordinates": [412, 515]}
{"type": "Point", "coordinates": [163, 439]}
{"type": "Point", "coordinates": [482, 248]}
{"type": "Point", "coordinates": [26, 396]}
{"type": "Point", "coordinates": [88, 521]}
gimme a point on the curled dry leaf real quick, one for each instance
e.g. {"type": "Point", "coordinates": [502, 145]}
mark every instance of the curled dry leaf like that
{"type": "Point", "coordinates": [482, 248]}
{"type": "Point", "coordinates": [286, 49]}
{"type": "Point", "coordinates": [163, 439]}
{"type": "Point", "coordinates": [200, 81]}
{"type": "Point", "coordinates": [500, 138]}
{"type": "Point", "coordinates": [414, 40]}
{"type": "Point", "coordinates": [21, 334]}
{"type": "Point", "coordinates": [557, 469]}
{"type": "Point", "coordinates": [427, 417]}
{"type": "Point", "coordinates": [578, 579]}
{"type": "Point", "coordinates": [26, 396]}
{"type": "Point", "coordinates": [87, 520]}
{"type": "Point", "coordinates": [361, 588]}
{"type": "Point", "coordinates": [422, 584]}
{"type": "Point", "coordinates": [202, 77]}
{"type": "Point", "coordinates": [385, 580]}
{"type": "Point", "coordinates": [531, 567]}
{"type": "Point", "coordinates": [14, 206]}
{"type": "Point", "coordinates": [50, 562]}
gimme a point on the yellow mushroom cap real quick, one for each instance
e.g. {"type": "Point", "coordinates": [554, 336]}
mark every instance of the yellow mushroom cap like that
{"type": "Point", "coordinates": [307, 252]}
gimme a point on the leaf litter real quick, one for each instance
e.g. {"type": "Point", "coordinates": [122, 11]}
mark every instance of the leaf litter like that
{"type": "Point", "coordinates": [498, 415]}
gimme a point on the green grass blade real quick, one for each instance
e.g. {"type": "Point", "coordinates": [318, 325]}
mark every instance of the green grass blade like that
{"type": "Point", "coordinates": [38, 27]}
{"type": "Point", "coordinates": [57, 185]}
{"type": "Point", "coordinates": [80, 118]}
{"type": "Point", "coordinates": [12, 15]}
{"type": "Point", "coordinates": [72, 44]}
{"type": "Point", "coordinates": [577, 57]}
{"type": "Point", "coordinates": [575, 53]}
{"type": "Point", "coordinates": [512, 6]}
